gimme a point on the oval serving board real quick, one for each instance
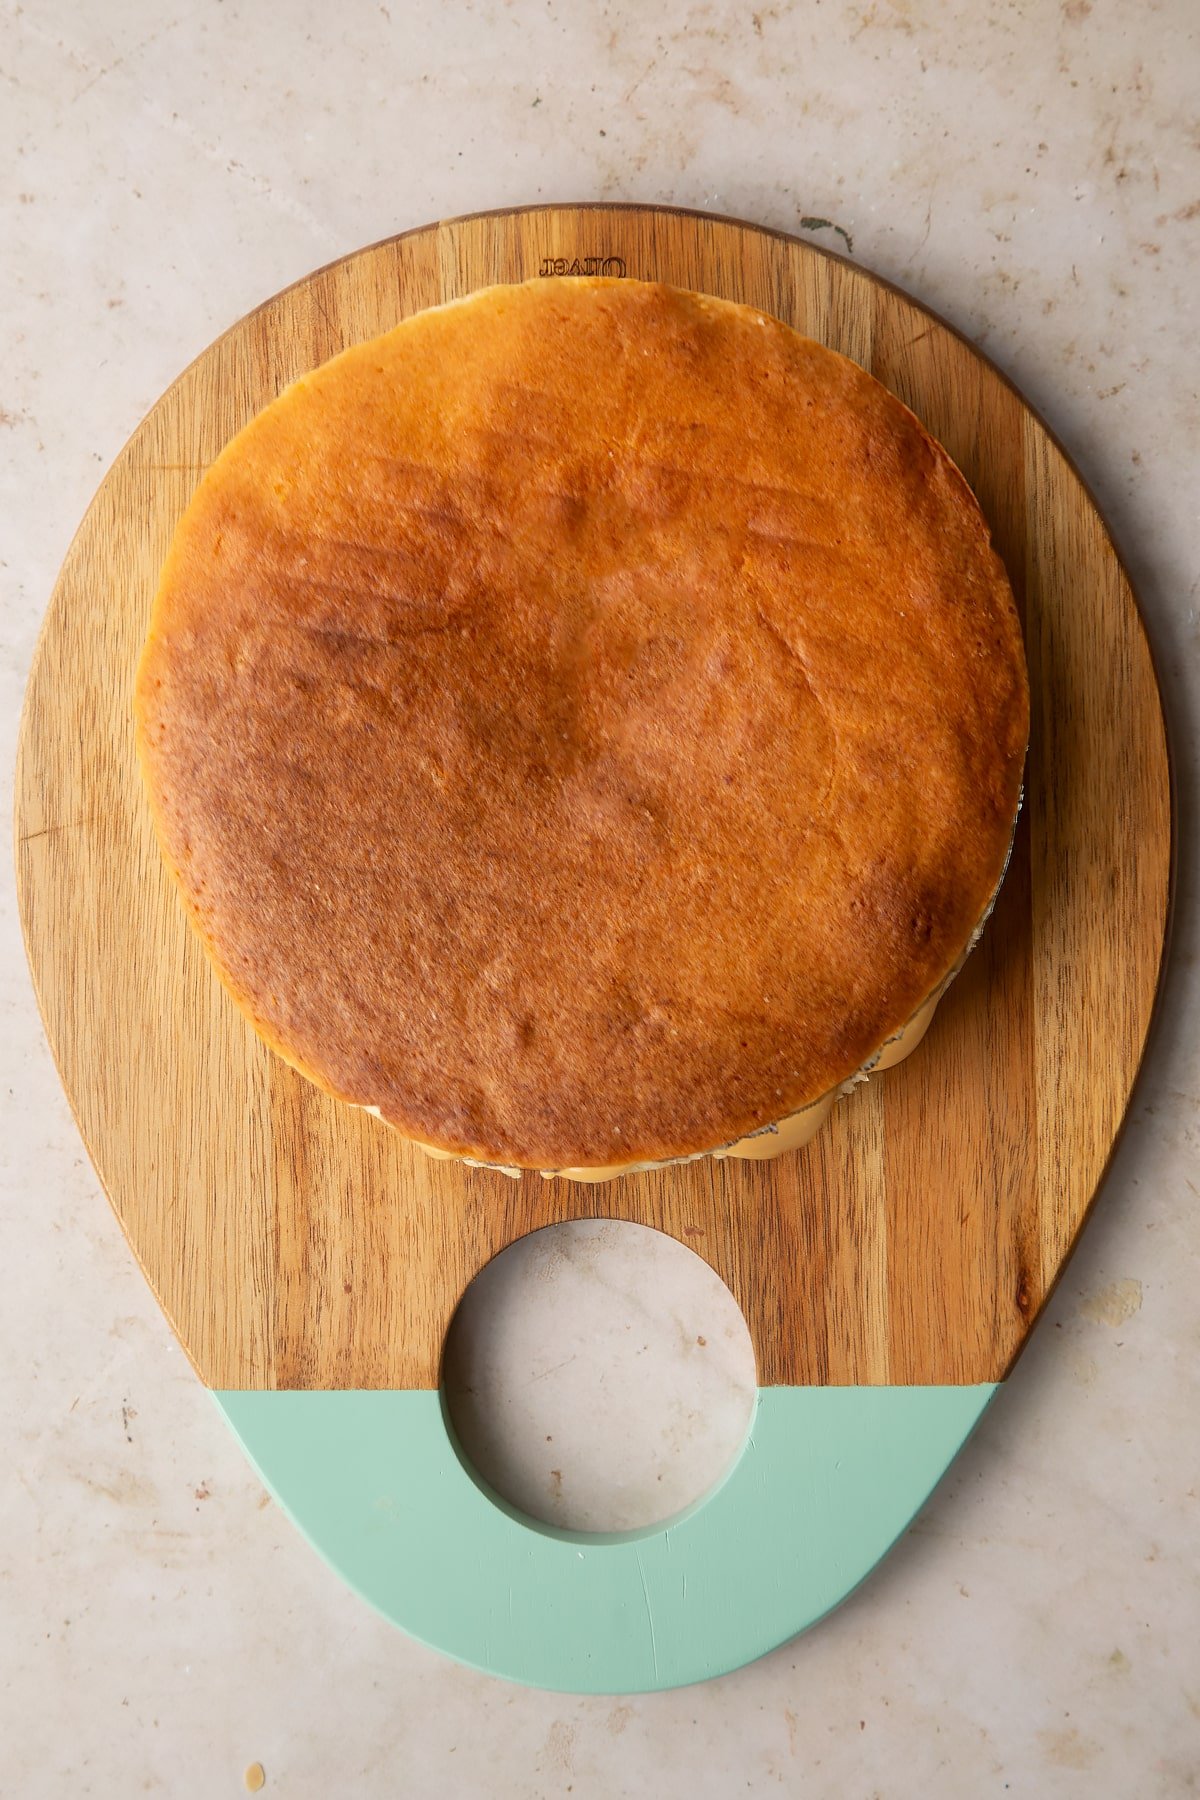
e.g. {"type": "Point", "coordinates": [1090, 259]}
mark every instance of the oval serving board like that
{"type": "Point", "coordinates": [889, 1273]}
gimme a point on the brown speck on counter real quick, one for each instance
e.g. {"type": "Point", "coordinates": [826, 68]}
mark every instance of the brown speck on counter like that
{"type": "Point", "coordinates": [1113, 1304]}
{"type": "Point", "coordinates": [1066, 1748]}
{"type": "Point", "coordinates": [813, 224]}
{"type": "Point", "coordinates": [1182, 216]}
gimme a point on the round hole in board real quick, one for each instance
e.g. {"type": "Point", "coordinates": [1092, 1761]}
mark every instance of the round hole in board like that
{"type": "Point", "coordinates": [599, 1376]}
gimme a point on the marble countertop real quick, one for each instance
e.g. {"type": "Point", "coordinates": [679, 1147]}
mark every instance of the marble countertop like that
{"type": "Point", "coordinates": [1032, 170]}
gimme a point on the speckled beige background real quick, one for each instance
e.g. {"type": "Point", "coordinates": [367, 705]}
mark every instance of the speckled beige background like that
{"type": "Point", "coordinates": [1033, 170]}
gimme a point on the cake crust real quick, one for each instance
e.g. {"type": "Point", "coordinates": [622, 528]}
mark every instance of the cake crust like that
{"type": "Point", "coordinates": [584, 723]}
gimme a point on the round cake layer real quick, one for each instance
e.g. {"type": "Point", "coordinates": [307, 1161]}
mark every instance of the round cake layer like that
{"type": "Point", "coordinates": [585, 723]}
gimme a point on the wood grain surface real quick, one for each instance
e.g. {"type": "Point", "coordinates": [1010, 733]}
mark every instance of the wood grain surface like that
{"type": "Point", "coordinates": [294, 1242]}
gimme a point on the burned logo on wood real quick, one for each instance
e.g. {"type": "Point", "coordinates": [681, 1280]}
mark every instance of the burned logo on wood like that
{"type": "Point", "coordinates": [582, 265]}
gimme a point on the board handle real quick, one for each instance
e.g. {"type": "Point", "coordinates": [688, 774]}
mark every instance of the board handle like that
{"type": "Point", "coordinates": [828, 1478]}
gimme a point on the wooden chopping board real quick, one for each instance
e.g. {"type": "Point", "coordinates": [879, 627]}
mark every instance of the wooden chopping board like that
{"type": "Point", "coordinates": [296, 1243]}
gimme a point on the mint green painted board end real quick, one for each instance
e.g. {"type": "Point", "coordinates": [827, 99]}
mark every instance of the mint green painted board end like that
{"type": "Point", "coordinates": [827, 1480]}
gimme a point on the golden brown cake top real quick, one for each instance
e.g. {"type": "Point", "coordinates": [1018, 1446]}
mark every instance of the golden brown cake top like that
{"type": "Point", "coordinates": [585, 722]}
